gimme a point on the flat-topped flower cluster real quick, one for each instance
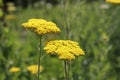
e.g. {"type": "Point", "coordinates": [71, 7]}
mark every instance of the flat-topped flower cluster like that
{"type": "Point", "coordinates": [64, 49]}
{"type": "Point", "coordinates": [41, 26]}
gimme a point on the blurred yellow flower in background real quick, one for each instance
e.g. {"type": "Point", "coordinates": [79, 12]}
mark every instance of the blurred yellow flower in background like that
{"type": "Point", "coordinates": [14, 69]}
{"type": "Point", "coordinates": [64, 49]}
{"type": "Point", "coordinates": [114, 1]}
{"type": "Point", "coordinates": [41, 26]}
{"type": "Point", "coordinates": [10, 17]}
{"type": "Point", "coordinates": [11, 7]}
{"type": "Point", "coordinates": [34, 69]}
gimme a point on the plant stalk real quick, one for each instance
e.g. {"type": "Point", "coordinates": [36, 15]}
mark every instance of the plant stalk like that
{"type": "Point", "coordinates": [40, 53]}
{"type": "Point", "coordinates": [66, 70]}
{"type": "Point", "coordinates": [64, 2]}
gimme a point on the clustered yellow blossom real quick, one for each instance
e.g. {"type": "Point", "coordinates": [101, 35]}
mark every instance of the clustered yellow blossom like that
{"type": "Point", "coordinates": [34, 69]}
{"type": "Point", "coordinates": [114, 1]}
{"type": "Point", "coordinates": [14, 69]}
{"type": "Point", "coordinates": [41, 26]}
{"type": "Point", "coordinates": [64, 49]}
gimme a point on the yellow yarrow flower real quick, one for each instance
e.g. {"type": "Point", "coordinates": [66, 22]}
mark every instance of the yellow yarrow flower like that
{"type": "Point", "coordinates": [64, 49]}
{"type": "Point", "coordinates": [14, 69]}
{"type": "Point", "coordinates": [41, 26]}
{"type": "Point", "coordinates": [34, 69]}
{"type": "Point", "coordinates": [113, 1]}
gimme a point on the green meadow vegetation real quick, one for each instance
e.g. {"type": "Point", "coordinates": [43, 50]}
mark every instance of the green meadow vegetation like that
{"type": "Point", "coordinates": [94, 25]}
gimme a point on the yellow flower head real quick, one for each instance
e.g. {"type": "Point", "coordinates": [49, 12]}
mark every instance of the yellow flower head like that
{"type": "Point", "coordinates": [41, 26]}
{"type": "Point", "coordinates": [65, 49]}
{"type": "Point", "coordinates": [14, 69]}
{"type": "Point", "coordinates": [34, 69]}
{"type": "Point", "coordinates": [114, 1]}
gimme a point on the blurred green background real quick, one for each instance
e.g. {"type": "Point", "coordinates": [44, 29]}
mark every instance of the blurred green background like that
{"type": "Point", "coordinates": [95, 24]}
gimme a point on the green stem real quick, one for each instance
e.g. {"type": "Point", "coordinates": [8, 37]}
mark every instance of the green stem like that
{"type": "Point", "coordinates": [64, 2]}
{"type": "Point", "coordinates": [66, 70]}
{"type": "Point", "coordinates": [40, 53]}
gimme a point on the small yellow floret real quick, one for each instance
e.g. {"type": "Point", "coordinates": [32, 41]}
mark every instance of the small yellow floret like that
{"type": "Point", "coordinates": [67, 56]}
{"type": "Point", "coordinates": [14, 69]}
{"type": "Point", "coordinates": [34, 69]}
